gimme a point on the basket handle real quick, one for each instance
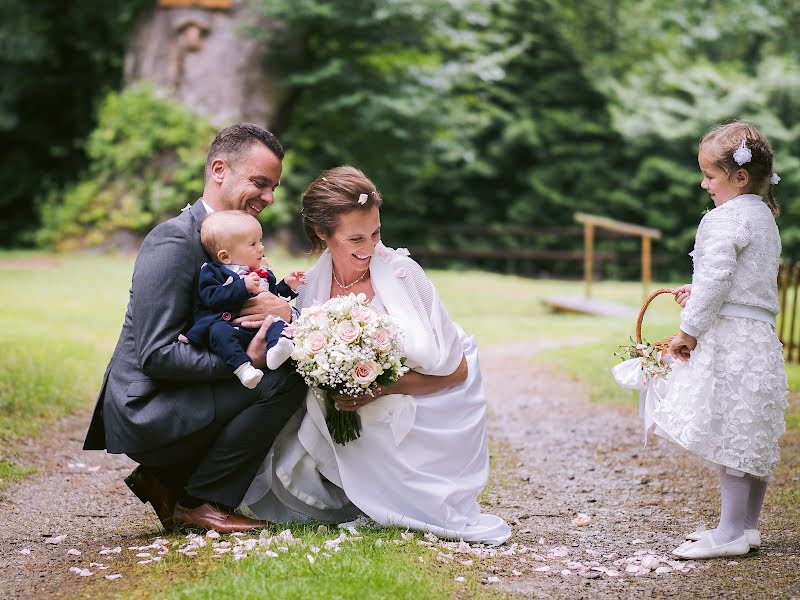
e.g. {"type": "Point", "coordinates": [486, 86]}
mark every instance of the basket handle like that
{"type": "Point", "coordinates": [647, 302]}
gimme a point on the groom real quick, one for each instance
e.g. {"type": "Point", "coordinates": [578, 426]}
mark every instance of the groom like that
{"type": "Point", "coordinates": [198, 434]}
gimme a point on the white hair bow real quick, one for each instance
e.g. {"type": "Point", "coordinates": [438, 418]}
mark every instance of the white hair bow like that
{"type": "Point", "coordinates": [742, 154]}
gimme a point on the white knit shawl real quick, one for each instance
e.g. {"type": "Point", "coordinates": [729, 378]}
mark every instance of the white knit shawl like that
{"type": "Point", "coordinates": [431, 341]}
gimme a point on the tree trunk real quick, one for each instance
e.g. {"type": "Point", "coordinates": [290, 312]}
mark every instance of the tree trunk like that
{"type": "Point", "coordinates": [205, 59]}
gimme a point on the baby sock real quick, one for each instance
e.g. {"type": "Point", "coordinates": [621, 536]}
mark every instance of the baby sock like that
{"type": "Point", "coordinates": [758, 488]}
{"type": "Point", "coordinates": [248, 375]}
{"type": "Point", "coordinates": [735, 492]}
{"type": "Point", "coordinates": [278, 354]}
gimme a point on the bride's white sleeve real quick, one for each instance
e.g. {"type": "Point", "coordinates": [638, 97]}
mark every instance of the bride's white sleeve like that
{"type": "Point", "coordinates": [432, 341]}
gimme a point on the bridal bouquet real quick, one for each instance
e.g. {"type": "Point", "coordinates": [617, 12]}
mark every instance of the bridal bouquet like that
{"type": "Point", "coordinates": [345, 347]}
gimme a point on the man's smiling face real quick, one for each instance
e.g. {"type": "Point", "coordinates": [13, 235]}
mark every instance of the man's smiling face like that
{"type": "Point", "coordinates": [249, 184]}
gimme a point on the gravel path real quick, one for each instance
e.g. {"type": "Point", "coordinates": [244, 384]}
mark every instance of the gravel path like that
{"type": "Point", "coordinates": [559, 456]}
{"type": "Point", "coordinates": [555, 456]}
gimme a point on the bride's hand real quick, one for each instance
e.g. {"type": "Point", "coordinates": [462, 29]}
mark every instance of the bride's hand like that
{"type": "Point", "coordinates": [351, 403]}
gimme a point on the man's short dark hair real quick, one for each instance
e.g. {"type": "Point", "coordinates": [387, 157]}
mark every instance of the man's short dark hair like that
{"type": "Point", "coordinates": [232, 142]}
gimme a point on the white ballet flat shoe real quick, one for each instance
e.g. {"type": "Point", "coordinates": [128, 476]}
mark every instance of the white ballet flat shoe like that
{"type": "Point", "coordinates": [738, 547]}
{"type": "Point", "coordinates": [753, 537]}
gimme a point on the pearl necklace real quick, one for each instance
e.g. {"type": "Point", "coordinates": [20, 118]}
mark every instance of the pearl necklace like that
{"type": "Point", "coordinates": [347, 287]}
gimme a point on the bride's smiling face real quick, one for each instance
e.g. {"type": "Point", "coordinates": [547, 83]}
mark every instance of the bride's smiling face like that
{"type": "Point", "coordinates": [353, 241]}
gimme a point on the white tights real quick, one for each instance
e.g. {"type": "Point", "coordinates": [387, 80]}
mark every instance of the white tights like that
{"type": "Point", "coordinates": [742, 498]}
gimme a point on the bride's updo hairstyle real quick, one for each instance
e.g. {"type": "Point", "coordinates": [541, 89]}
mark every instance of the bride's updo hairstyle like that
{"type": "Point", "coordinates": [720, 144]}
{"type": "Point", "coordinates": [334, 193]}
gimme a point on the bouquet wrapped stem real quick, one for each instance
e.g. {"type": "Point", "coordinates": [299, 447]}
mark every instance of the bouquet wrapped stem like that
{"type": "Point", "coordinates": [343, 425]}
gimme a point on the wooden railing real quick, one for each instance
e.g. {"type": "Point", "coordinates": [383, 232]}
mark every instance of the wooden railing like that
{"type": "Point", "coordinates": [512, 248]}
{"type": "Point", "coordinates": [789, 296]}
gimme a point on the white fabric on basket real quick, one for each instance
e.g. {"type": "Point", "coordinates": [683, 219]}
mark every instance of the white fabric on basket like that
{"type": "Point", "coordinates": [420, 462]}
{"type": "Point", "coordinates": [629, 374]}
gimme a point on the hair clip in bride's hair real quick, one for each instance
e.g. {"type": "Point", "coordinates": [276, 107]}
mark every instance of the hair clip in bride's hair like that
{"type": "Point", "coordinates": [742, 154]}
{"type": "Point", "coordinates": [362, 199]}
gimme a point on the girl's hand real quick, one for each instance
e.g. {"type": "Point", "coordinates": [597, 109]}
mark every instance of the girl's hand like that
{"type": "Point", "coordinates": [682, 345]}
{"type": "Point", "coordinates": [351, 403]}
{"type": "Point", "coordinates": [251, 282]}
{"type": "Point", "coordinates": [682, 294]}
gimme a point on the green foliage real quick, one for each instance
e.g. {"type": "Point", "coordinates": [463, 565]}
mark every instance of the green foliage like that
{"type": "Point", "coordinates": [707, 63]}
{"type": "Point", "coordinates": [56, 59]}
{"type": "Point", "coordinates": [513, 112]}
{"type": "Point", "coordinates": [525, 111]}
{"type": "Point", "coordinates": [146, 162]}
{"type": "Point", "coordinates": [361, 87]}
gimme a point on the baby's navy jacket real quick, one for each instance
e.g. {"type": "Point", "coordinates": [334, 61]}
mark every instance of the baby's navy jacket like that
{"type": "Point", "coordinates": [219, 302]}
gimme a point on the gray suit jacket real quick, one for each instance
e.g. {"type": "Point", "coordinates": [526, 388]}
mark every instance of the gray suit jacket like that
{"type": "Point", "coordinates": [157, 390]}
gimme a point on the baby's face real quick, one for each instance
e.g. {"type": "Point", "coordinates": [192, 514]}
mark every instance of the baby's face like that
{"type": "Point", "coordinates": [245, 247]}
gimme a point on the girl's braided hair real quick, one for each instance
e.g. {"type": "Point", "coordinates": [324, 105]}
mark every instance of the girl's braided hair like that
{"type": "Point", "coordinates": [722, 141]}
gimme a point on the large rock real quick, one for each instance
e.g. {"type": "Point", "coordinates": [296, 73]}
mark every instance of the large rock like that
{"type": "Point", "coordinates": [204, 58]}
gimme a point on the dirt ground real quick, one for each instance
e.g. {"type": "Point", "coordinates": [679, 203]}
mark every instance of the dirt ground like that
{"type": "Point", "coordinates": [560, 456]}
{"type": "Point", "coordinates": [555, 456]}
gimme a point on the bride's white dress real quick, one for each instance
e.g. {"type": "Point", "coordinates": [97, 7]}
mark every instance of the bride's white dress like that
{"type": "Point", "coordinates": [421, 461]}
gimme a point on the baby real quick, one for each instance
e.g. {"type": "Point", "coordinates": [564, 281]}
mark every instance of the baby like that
{"type": "Point", "coordinates": [232, 239]}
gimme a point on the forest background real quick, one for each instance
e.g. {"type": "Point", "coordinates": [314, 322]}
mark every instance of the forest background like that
{"type": "Point", "coordinates": [490, 113]}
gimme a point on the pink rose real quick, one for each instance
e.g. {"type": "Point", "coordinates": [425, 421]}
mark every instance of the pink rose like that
{"type": "Point", "coordinates": [401, 272]}
{"type": "Point", "coordinates": [382, 340]}
{"type": "Point", "coordinates": [315, 342]}
{"type": "Point", "coordinates": [347, 332]}
{"type": "Point", "coordinates": [365, 372]}
{"type": "Point", "coordinates": [361, 313]}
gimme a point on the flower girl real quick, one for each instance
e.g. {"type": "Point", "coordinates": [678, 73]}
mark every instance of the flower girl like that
{"type": "Point", "coordinates": [727, 391]}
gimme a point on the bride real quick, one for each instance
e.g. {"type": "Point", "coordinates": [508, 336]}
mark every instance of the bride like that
{"type": "Point", "coordinates": [422, 457]}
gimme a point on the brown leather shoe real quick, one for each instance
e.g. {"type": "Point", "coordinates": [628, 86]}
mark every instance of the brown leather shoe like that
{"type": "Point", "coordinates": [149, 488]}
{"type": "Point", "coordinates": [209, 516]}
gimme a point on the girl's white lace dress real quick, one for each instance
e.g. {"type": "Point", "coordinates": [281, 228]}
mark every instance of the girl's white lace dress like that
{"type": "Point", "coordinates": [421, 461]}
{"type": "Point", "coordinates": [727, 403]}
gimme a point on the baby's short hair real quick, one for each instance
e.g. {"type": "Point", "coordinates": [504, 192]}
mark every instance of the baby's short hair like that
{"type": "Point", "coordinates": [220, 227]}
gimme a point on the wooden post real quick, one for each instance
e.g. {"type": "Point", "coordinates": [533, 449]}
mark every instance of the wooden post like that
{"type": "Point", "coordinates": [646, 233]}
{"type": "Point", "coordinates": [646, 266]}
{"type": "Point", "coordinates": [783, 288]}
{"type": "Point", "coordinates": [588, 256]}
{"type": "Point", "coordinates": [795, 280]}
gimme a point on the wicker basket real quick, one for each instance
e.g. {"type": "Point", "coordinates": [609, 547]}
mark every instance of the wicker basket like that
{"type": "Point", "coordinates": [663, 344]}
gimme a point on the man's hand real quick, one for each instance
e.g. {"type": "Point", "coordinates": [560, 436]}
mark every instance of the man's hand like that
{"type": "Point", "coordinates": [682, 345]}
{"type": "Point", "coordinates": [251, 282]}
{"type": "Point", "coordinates": [258, 308]}
{"type": "Point", "coordinates": [257, 348]}
{"type": "Point", "coordinates": [295, 279]}
{"type": "Point", "coordinates": [682, 294]}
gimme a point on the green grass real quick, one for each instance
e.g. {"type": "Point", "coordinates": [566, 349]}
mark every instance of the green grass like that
{"type": "Point", "coordinates": [58, 324]}
{"type": "Point", "coordinates": [11, 472]}
{"type": "Point", "coordinates": [789, 496]}
{"type": "Point", "coordinates": [376, 564]}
